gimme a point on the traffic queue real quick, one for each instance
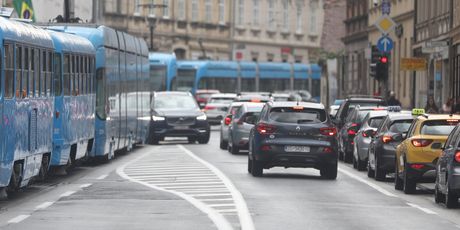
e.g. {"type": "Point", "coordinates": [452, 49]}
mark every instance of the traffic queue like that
{"type": "Point", "coordinates": [410, 146]}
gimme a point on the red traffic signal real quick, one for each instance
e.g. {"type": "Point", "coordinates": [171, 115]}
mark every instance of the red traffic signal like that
{"type": "Point", "coordinates": [384, 59]}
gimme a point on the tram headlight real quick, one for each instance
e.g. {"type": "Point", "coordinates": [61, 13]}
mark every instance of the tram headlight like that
{"type": "Point", "coordinates": [155, 118]}
{"type": "Point", "coordinates": [202, 117]}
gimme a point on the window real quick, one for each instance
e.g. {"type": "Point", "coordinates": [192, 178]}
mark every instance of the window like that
{"type": "Point", "coordinates": [151, 9]}
{"type": "Point", "coordinates": [221, 11]}
{"type": "Point", "coordinates": [271, 15]}
{"type": "Point", "coordinates": [255, 13]}
{"type": "Point", "coordinates": [297, 116]}
{"type": "Point", "coordinates": [224, 85]}
{"type": "Point", "coordinates": [158, 77]}
{"type": "Point", "coordinates": [19, 67]}
{"type": "Point", "coordinates": [101, 97]}
{"type": "Point", "coordinates": [313, 9]}
{"type": "Point", "coordinates": [25, 72]}
{"type": "Point", "coordinates": [438, 127]}
{"type": "Point", "coordinates": [240, 12]}
{"type": "Point", "coordinates": [181, 9]}
{"type": "Point", "coordinates": [9, 70]}
{"type": "Point", "coordinates": [67, 85]}
{"type": "Point", "coordinates": [285, 15]}
{"type": "Point", "coordinates": [185, 80]}
{"type": "Point", "coordinates": [49, 73]}
{"type": "Point", "coordinates": [57, 74]}
{"type": "Point", "coordinates": [166, 9]}
{"type": "Point", "coordinates": [299, 9]}
{"type": "Point", "coordinates": [194, 10]}
{"type": "Point", "coordinates": [137, 7]}
{"type": "Point", "coordinates": [248, 84]}
{"type": "Point", "coordinates": [271, 85]}
{"type": "Point", "coordinates": [208, 11]}
{"type": "Point", "coordinates": [72, 75]}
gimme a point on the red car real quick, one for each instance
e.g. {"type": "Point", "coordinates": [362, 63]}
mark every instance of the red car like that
{"type": "Point", "coordinates": [202, 96]}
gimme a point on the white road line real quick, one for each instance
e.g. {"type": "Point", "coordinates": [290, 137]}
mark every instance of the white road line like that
{"type": "Point", "coordinates": [68, 193]}
{"type": "Point", "coordinates": [221, 205]}
{"type": "Point", "coordinates": [227, 210]}
{"type": "Point", "coordinates": [102, 177]}
{"type": "Point", "coordinates": [162, 168]}
{"type": "Point", "coordinates": [189, 187]}
{"type": "Point", "coordinates": [425, 210]}
{"type": "Point", "coordinates": [166, 176]}
{"type": "Point", "coordinates": [168, 173]}
{"type": "Point", "coordinates": [372, 185]}
{"type": "Point", "coordinates": [211, 194]}
{"type": "Point", "coordinates": [85, 185]}
{"type": "Point", "coordinates": [204, 191]}
{"type": "Point", "coordinates": [216, 200]}
{"type": "Point", "coordinates": [242, 208]}
{"type": "Point", "coordinates": [190, 183]}
{"type": "Point", "coordinates": [18, 219]}
{"type": "Point", "coordinates": [44, 205]}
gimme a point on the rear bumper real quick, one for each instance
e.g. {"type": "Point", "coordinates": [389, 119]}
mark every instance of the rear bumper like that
{"type": "Point", "coordinates": [386, 157]}
{"type": "Point", "coordinates": [426, 174]}
{"type": "Point", "coordinates": [162, 130]}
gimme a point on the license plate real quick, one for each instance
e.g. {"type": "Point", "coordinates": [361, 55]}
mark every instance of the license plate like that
{"type": "Point", "coordinates": [180, 127]}
{"type": "Point", "coordinates": [297, 149]}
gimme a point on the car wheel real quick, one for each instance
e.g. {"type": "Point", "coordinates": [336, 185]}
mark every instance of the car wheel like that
{"type": "Point", "coordinates": [379, 173]}
{"type": "Point", "coordinates": [223, 144]}
{"type": "Point", "coordinates": [355, 162]}
{"type": "Point", "coordinates": [191, 140]}
{"type": "Point", "coordinates": [451, 199]}
{"type": "Point", "coordinates": [234, 150]}
{"type": "Point", "coordinates": [340, 155]}
{"type": "Point", "coordinates": [205, 139]}
{"type": "Point", "coordinates": [370, 172]}
{"type": "Point", "coordinates": [257, 169]}
{"type": "Point", "coordinates": [154, 141]}
{"type": "Point", "coordinates": [249, 165]}
{"type": "Point", "coordinates": [398, 182]}
{"type": "Point", "coordinates": [409, 184]}
{"type": "Point", "coordinates": [329, 171]}
{"type": "Point", "coordinates": [438, 196]}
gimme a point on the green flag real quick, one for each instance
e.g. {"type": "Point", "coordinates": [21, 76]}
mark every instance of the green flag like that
{"type": "Point", "coordinates": [24, 9]}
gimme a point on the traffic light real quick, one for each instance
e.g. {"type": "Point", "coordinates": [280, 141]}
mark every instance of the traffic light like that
{"type": "Point", "coordinates": [381, 70]}
{"type": "Point", "coordinates": [375, 55]}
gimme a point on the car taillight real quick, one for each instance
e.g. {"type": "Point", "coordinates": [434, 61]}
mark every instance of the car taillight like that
{"type": "Point", "coordinates": [353, 129]}
{"type": "Point", "coordinates": [387, 139]}
{"type": "Point", "coordinates": [364, 134]}
{"type": "Point", "coordinates": [208, 107]}
{"type": "Point", "coordinates": [264, 129]}
{"type": "Point", "coordinates": [417, 166]}
{"type": "Point", "coordinates": [227, 120]}
{"type": "Point", "coordinates": [329, 131]}
{"type": "Point", "coordinates": [457, 156]}
{"type": "Point", "coordinates": [421, 142]}
{"type": "Point", "coordinates": [328, 150]}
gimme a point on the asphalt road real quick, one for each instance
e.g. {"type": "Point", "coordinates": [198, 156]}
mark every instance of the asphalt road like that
{"type": "Point", "coordinates": [181, 186]}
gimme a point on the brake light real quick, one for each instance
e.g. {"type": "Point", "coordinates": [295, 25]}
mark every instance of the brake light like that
{"type": "Point", "coordinates": [364, 134]}
{"type": "Point", "coordinates": [329, 131]}
{"type": "Point", "coordinates": [265, 147]}
{"type": "Point", "coordinates": [417, 166]}
{"type": "Point", "coordinates": [421, 142]}
{"type": "Point", "coordinates": [208, 107]}
{"type": "Point", "coordinates": [457, 156]}
{"type": "Point", "coordinates": [351, 132]}
{"type": "Point", "coordinates": [227, 120]}
{"type": "Point", "coordinates": [387, 139]}
{"type": "Point", "coordinates": [265, 129]}
{"type": "Point", "coordinates": [327, 150]}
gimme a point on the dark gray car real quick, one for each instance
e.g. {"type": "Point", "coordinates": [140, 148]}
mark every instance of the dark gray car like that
{"type": "Point", "coordinates": [241, 125]}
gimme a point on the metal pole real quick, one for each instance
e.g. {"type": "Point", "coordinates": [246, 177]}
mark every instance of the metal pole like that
{"type": "Point", "coordinates": [66, 10]}
{"type": "Point", "coordinates": [151, 36]}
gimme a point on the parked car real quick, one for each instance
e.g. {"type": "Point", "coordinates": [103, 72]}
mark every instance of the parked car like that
{"type": "Point", "coordinates": [447, 187]}
{"type": "Point", "coordinates": [241, 125]}
{"type": "Point", "coordinates": [349, 103]}
{"type": "Point", "coordinates": [176, 114]}
{"type": "Point", "coordinates": [363, 138]}
{"type": "Point", "coordinates": [382, 149]}
{"type": "Point", "coordinates": [226, 122]}
{"type": "Point", "coordinates": [217, 107]}
{"type": "Point", "coordinates": [415, 156]}
{"type": "Point", "coordinates": [293, 134]}
{"type": "Point", "coordinates": [202, 96]}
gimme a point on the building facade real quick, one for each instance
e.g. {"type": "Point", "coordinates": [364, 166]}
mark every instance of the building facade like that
{"type": "Point", "coordinates": [399, 81]}
{"type": "Point", "coordinates": [353, 65]}
{"type": "Point", "coordinates": [454, 88]}
{"type": "Point", "coordinates": [254, 30]}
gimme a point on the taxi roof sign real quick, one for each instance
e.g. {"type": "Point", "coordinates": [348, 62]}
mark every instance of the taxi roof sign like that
{"type": "Point", "coordinates": [417, 112]}
{"type": "Point", "coordinates": [394, 109]}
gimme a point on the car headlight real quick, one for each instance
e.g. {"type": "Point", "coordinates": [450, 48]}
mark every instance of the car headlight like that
{"type": "Point", "coordinates": [155, 118]}
{"type": "Point", "coordinates": [202, 117]}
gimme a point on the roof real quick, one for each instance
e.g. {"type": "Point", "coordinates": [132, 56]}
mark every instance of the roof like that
{"type": "Point", "coordinates": [207, 91]}
{"type": "Point", "coordinates": [24, 32]}
{"type": "Point", "coordinates": [237, 103]}
{"type": "Point", "coordinates": [438, 117]}
{"type": "Point", "coordinates": [172, 93]}
{"type": "Point", "coordinates": [292, 104]}
{"type": "Point", "coordinates": [380, 113]}
{"type": "Point", "coordinates": [400, 116]}
{"type": "Point", "coordinates": [224, 95]}
{"type": "Point", "coordinates": [252, 105]}
{"type": "Point", "coordinates": [71, 43]}
{"type": "Point", "coordinates": [363, 99]}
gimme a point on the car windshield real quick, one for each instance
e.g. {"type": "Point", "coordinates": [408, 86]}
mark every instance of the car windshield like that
{"type": "Point", "coordinates": [401, 126]}
{"type": "Point", "coordinates": [297, 116]}
{"type": "Point", "coordinates": [361, 115]}
{"type": "Point", "coordinates": [169, 101]}
{"type": "Point", "coordinates": [375, 122]}
{"type": "Point", "coordinates": [438, 127]}
{"type": "Point", "coordinates": [221, 100]}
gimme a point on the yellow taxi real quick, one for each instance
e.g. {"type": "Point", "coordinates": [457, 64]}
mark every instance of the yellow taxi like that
{"type": "Point", "coordinates": [417, 154]}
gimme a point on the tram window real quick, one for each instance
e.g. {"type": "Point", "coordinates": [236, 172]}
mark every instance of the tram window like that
{"type": "Point", "coordinates": [25, 72]}
{"type": "Point", "coordinates": [82, 75]}
{"type": "Point", "coordinates": [316, 88]}
{"type": "Point", "coordinates": [9, 70]}
{"type": "Point", "coordinates": [43, 73]}
{"type": "Point", "coordinates": [36, 66]}
{"type": "Point", "coordinates": [224, 85]}
{"type": "Point", "coordinates": [67, 85]}
{"type": "Point", "coordinates": [50, 73]}
{"type": "Point", "coordinates": [271, 85]}
{"type": "Point", "coordinates": [101, 98]}
{"type": "Point", "coordinates": [301, 84]}
{"type": "Point", "coordinates": [72, 74]}
{"type": "Point", "coordinates": [248, 85]}
{"type": "Point", "coordinates": [31, 73]}
{"type": "Point", "coordinates": [57, 74]}
{"type": "Point", "coordinates": [18, 71]}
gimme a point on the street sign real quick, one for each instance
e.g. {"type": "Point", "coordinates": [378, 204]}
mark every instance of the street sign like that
{"type": "Point", "coordinates": [385, 24]}
{"type": "Point", "coordinates": [385, 44]}
{"type": "Point", "coordinates": [431, 44]}
{"type": "Point", "coordinates": [413, 64]}
{"type": "Point", "coordinates": [386, 7]}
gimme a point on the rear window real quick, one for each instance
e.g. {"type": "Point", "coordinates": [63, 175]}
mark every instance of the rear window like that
{"type": "Point", "coordinates": [438, 127]}
{"type": "Point", "coordinates": [362, 115]}
{"type": "Point", "coordinates": [375, 122]}
{"type": "Point", "coordinates": [400, 126]}
{"type": "Point", "coordinates": [297, 116]}
{"type": "Point", "coordinates": [221, 100]}
{"type": "Point", "coordinates": [234, 109]}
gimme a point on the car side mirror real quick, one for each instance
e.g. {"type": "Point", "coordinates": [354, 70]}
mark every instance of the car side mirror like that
{"type": "Point", "coordinates": [370, 132]}
{"type": "Point", "coordinates": [398, 137]}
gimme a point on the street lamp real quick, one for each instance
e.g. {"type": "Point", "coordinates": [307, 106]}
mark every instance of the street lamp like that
{"type": "Point", "coordinates": [151, 24]}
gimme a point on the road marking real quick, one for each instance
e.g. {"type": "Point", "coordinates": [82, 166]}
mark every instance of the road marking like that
{"type": "Point", "coordinates": [44, 205]}
{"type": "Point", "coordinates": [18, 219]}
{"type": "Point", "coordinates": [211, 194]}
{"type": "Point", "coordinates": [425, 210]}
{"type": "Point", "coordinates": [102, 177]}
{"type": "Point", "coordinates": [163, 176]}
{"type": "Point", "coordinates": [66, 194]}
{"type": "Point", "coordinates": [191, 187]}
{"type": "Point", "coordinates": [190, 183]}
{"type": "Point", "coordinates": [85, 185]}
{"type": "Point", "coordinates": [370, 184]}
{"type": "Point", "coordinates": [221, 205]}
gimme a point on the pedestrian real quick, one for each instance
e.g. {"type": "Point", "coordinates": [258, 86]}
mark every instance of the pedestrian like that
{"type": "Point", "coordinates": [392, 101]}
{"type": "Point", "coordinates": [447, 107]}
{"type": "Point", "coordinates": [430, 106]}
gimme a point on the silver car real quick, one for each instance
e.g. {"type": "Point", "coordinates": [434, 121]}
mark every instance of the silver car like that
{"type": "Point", "coordinates": [241, 125]}
{"type": "Point", "coordinates": [217, 107]}
{"type": "Point", "coordinates": [226, 122]}
{"type": "Point", "coordinates": [363, 138]}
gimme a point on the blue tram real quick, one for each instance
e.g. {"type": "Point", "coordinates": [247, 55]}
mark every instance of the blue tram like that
{"type": "Point", "coordinates": [74, 99]}
{"type": "Point", "coordinates": [26, 103]}
{"type": "Point", "coordinates": [122, 83]}
{"type": "Point", "coordinates": [163, 69]}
